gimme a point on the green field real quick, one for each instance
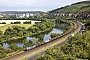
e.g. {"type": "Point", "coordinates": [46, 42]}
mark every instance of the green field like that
{"type": "Point", "coordinates": [4, 27]}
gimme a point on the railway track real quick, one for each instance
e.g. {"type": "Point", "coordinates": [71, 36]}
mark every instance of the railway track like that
{"type": "Point", "coordinates": [45, 46]}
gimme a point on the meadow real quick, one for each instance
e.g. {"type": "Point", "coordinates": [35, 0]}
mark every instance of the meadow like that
{"type": "Point", "coordinates": [3, 27]}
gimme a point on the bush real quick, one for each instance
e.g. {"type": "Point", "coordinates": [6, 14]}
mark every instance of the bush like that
{"type": "Point", "coordinates": [17, 22]}
{"type": "Point", "coordinates": [3, 23]}
{"type": "Point", "coordinates": [54, 35]}
{"type": "Point", "coordinates": [27, 22]}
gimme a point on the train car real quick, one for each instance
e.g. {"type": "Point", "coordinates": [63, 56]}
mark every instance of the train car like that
{"type": "Point", "coordinates": [50, 39]}
{"type": "Point", "coordinates": [53, 38]}
{"type": "Point", "coordinates": [39, 43]}
{"type": "Point", "coordinates": [46, 41]}
{"type": "Point", "coordinates": [28, 48]}
{"type": "Point", "coordinates": [33, 46]}
{"type": "Point", "coordinates": [59, 36]}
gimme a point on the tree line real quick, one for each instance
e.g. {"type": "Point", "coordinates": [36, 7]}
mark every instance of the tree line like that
{"type": "Point", "coordinates": [17, 22]}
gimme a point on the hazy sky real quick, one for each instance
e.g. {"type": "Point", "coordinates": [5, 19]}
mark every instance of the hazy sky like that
{"type": "Point", "coordinates": [33, 5]}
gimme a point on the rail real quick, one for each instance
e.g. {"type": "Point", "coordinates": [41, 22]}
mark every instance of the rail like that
{"type": "Point", "coordinates": [43, 46]}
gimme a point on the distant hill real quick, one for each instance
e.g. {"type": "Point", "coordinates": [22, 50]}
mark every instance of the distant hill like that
{"type": "Point", "coordinates": [21, 12]}
{"type": "Point", "coordinates": [83, 6]}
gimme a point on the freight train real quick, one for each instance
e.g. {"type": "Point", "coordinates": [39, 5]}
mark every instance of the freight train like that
{"type": "Point", "coordinates": [36, 45]}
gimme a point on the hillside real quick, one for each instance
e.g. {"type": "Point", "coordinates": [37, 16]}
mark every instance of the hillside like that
{"type": "Point", "coordinates": [83, 6]}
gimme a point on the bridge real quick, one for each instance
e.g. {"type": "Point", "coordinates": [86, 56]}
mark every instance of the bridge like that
{"type": "Point", "coordinates": [41, 48]}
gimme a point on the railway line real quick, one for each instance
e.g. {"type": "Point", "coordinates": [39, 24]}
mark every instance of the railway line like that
{"type": "Point", "coordinates": [42, 47]}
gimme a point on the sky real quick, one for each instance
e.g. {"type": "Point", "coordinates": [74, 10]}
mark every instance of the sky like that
{"type": "Point", "coordinates": [34, 5]}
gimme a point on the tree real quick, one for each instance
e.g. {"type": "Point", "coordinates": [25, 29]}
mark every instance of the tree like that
{"type": "Point", "coordinates": [54, 35]}
{"type": "Point", "coordinates": [13, 46]}
{"type": "Point", "coordinates": [2, 51]}
{"type": "Point", "coordinates": [20, 34]}
{"type": "Point", "coordinates": [87, 25]}
{"type": "Point", "coordinates": [8, 31]}
{"type": "Point", "coordinates": [1, 32]}
{"type": "Point", "coordinates": [43, 27]}
{"type": "Point", "coordinates": [40, 38]}
{"type": "Point", "coordinates": [28, 43]}
{"type": "Point", "coordinates": [45, 57]}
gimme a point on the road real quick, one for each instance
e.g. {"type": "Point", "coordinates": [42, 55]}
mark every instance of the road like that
{"type": "Point", "coordinates": [37, 50]}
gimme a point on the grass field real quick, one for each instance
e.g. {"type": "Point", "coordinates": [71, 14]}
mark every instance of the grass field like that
{"type": "Point", "coordinates": [4, 27]}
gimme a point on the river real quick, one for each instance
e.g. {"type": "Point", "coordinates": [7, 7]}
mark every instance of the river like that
{"type": "Point", "coordinates": [59, 28]}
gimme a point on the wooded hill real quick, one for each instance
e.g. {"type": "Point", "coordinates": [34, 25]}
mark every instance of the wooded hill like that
{"type": "Point", "coordinates": [78, 7]}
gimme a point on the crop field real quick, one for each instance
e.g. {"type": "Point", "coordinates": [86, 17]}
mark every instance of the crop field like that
{"type": "Point", "coordinates": [3, 27]}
